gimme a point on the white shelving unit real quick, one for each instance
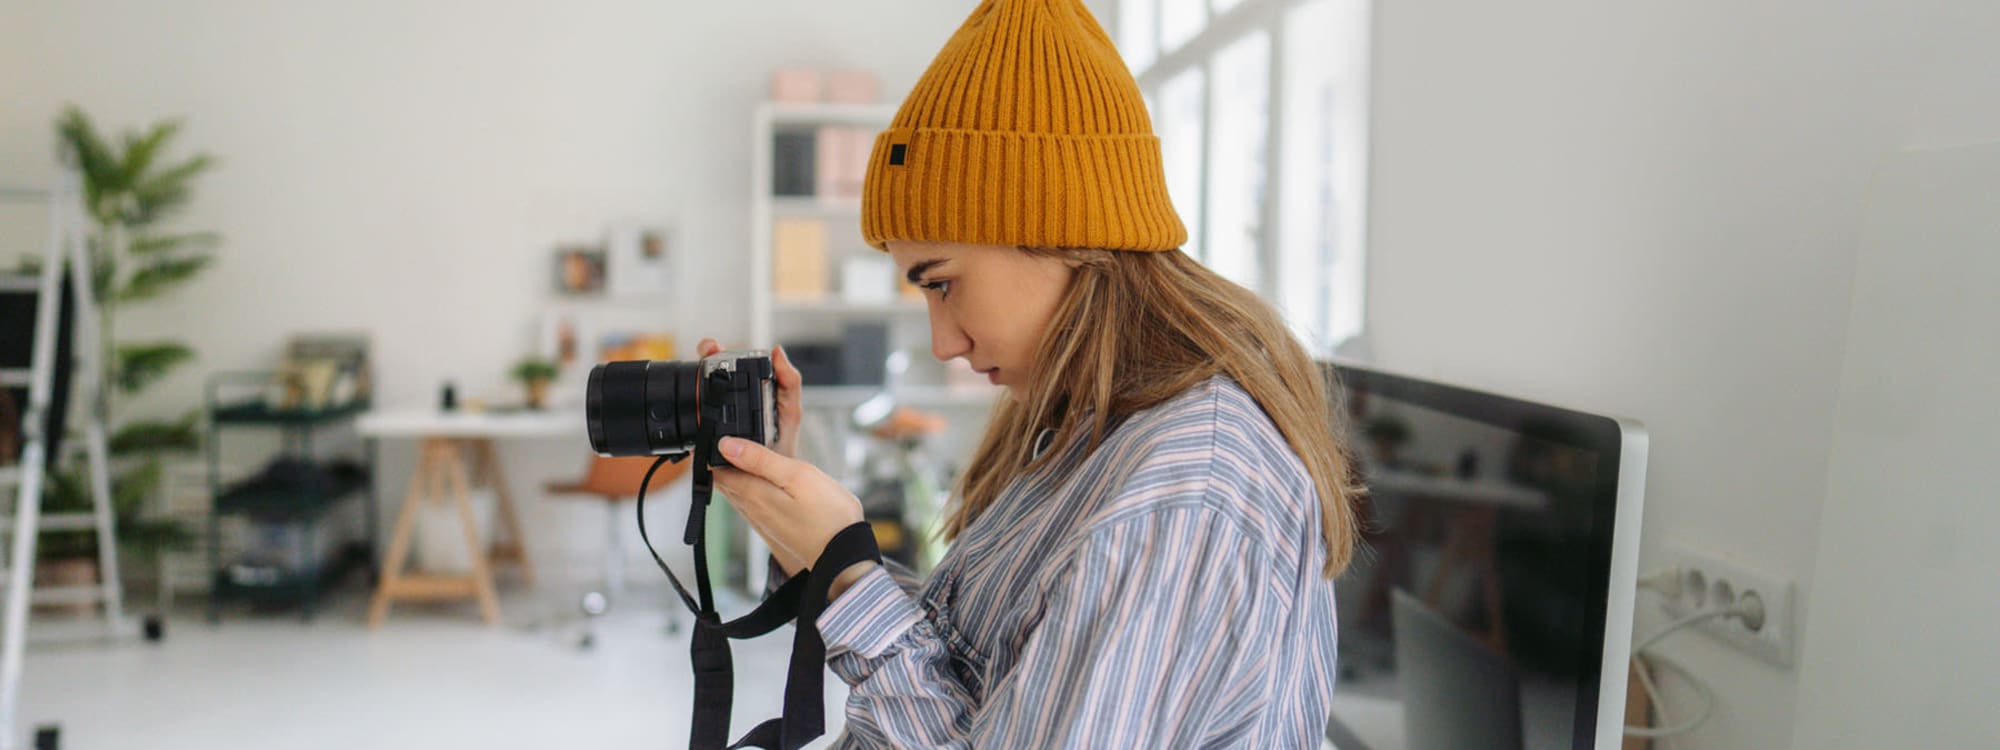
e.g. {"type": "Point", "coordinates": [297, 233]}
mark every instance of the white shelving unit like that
{"type": "Point", "coordinates": [843, 215]}
{"type": "Point", "coordinates": [775, 322]}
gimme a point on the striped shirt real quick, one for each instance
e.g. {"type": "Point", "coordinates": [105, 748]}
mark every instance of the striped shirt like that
{"type": "Point", "coordinates": [1161, 591]}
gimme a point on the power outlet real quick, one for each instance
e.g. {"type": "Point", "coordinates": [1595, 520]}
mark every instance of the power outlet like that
{"type": "Point", "coordinates": [1710, 581]}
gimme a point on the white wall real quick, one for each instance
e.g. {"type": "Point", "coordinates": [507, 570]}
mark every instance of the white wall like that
{"type": "Point", "coordinates": [1902, 653]}
{"type": "Point", "coordinates": [406, 168]}
{"type": "Point", "coordinates": [1650, 209]}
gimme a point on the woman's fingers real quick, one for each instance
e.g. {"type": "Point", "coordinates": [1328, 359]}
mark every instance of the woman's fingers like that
{"type": "Point", "coordinates": [707, 347]}
{"type": "Point", "coordinates": [788, 474]}
{"type": "Point", "coordinates": [793, 505]}
{"type": "Point", "coordinates": [788, 375]}
{"type": "Point", "coordinates": [789, 408]}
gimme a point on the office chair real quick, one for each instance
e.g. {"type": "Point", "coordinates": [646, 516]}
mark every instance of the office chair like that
{"type": "Point", "coordinates": [613, 481]}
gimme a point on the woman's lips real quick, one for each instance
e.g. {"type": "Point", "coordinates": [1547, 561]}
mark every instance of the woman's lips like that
{"type": "Point", "coordinates": [993, 376]}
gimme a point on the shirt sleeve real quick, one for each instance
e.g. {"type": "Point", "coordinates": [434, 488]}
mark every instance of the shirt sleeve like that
{"type": "Point", "coordinates": [1149, 637]}
{"type": "Point", "coordinates": [906, 579]}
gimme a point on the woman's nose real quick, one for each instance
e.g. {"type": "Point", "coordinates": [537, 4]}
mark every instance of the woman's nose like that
{"type": "Point", "coordinates": [947, 341]}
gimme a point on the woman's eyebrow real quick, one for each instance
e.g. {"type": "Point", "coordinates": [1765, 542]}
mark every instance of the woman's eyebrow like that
{"type": "Point", "coordinates": [917, 271]}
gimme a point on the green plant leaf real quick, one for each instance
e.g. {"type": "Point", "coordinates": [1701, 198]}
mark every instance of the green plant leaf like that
{"type": "Point", "coordinates": [103, 269]}
{"type": "Point", "coordinates": [152, 536]}
{"type": "Point", "coordinates": [130, 489]}
{"type": "Point", "coordinates": [159, 244]}
{"type": "Point", "coordinates": [67, 490]}
{"type": "Point", "coordinates": [157, 196]}
{"type": "Point", "coordinates": [95, 161]}
{"type": "Point", "coordinates": [158, 276]}
{"type": "Point", "coordinates": [142, 150]}
{"type": "Point", "coordinates": [140, 365]}
{"type": "Point", "coordinates": [157, 436]}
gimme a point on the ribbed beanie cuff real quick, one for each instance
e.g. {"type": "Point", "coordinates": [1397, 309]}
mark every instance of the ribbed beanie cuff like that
{"type": "Point", "coordinates": [1034, 189]}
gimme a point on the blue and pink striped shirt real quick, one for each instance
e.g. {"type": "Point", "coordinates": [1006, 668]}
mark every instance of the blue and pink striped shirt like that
{"type": "Point", "coordinates": [1161, 591]}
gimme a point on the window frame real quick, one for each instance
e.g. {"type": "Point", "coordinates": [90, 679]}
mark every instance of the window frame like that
{"type": "Point", "coordinates": [1218, 32]}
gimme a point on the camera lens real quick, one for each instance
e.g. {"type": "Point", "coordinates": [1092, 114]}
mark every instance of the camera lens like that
{"type": "Point", "coordinates": [642, 407]}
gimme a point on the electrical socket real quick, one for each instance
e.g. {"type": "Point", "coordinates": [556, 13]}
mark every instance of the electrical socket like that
{"type": "Point", "coordinates": [1707, 579]}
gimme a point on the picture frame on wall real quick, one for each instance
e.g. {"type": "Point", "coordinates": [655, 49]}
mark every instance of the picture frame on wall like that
{"type": "Point", "coordinates": [580, 269]}
{"type": "Point", "coordinates": [640, 261]}
{"type": "Point", "coordinates": [579, 338]}
{"type": "Point", "coordinates": [565, 338]}
{"type": "Point", "coordinates": [617, 345]}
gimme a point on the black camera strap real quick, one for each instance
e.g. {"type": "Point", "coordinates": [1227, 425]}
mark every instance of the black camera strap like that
{"type": "Point", "coordinates": [802, 597]}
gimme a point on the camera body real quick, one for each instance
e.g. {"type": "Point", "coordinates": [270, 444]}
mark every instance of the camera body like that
{"type": "Point", "coordinates": [661, 407]}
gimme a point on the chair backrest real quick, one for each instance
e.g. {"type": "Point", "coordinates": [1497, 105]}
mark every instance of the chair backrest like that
{"type": "Point", "coordinates": [619, 477]}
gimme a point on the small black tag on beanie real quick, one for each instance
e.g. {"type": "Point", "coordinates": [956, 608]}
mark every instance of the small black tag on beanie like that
{"type": "Point", "coordinates": [896, 154]}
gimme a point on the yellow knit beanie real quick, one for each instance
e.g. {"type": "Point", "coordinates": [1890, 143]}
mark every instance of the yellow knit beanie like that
{"type": "Point", "coordinates": [1026, 130]}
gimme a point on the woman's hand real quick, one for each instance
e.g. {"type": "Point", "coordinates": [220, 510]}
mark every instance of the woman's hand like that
{"type": "Point", "coordinates": [789, 384]}
{"type": "Point", "coordinates": [793, 505]}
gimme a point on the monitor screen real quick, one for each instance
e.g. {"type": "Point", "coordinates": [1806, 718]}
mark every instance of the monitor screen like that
{"type": "Point", "coordinates": [1475, 615]}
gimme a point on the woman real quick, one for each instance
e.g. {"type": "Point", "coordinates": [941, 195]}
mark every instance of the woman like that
{"type": "Point", "coordinates": [1145, 539]}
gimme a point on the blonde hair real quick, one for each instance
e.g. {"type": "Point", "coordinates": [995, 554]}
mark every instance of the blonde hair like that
{"type": "Point", "coordinates": [1177, 324]}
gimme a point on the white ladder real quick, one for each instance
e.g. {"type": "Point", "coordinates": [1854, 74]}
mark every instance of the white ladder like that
{"type": "Point", "coordinates": [65, 251]}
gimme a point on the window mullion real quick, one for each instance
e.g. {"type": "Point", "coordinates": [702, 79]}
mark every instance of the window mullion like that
{"type": "Point", "coordinates": [1269, 237]}
{"type": "Point", "coordinates": [1207, 145]}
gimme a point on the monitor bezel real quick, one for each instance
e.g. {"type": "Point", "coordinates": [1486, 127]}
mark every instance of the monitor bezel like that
{"type": "Point", "coordinates": [1620, 444]}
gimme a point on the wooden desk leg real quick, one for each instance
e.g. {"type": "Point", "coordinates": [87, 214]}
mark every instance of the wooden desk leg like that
{"type": "Point", "coordinates": [486, 462]}
{"type": "Point", "coordinates": [482, 573]}
{"type": "Point", "coordinates": [399, 541]}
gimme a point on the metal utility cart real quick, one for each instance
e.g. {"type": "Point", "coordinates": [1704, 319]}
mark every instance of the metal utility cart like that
{"type": "Point", "coordinates": [296, 493]}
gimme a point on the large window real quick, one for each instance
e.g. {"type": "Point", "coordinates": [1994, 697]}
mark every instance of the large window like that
{"type": "Point", "coordinates": [1261, 109]}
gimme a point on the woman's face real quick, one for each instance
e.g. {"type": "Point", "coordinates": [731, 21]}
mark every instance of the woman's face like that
{"type": "Point", "coordinates": [990, 304]}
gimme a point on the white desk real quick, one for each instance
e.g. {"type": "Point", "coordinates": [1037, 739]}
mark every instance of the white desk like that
{"type": "Point", "coordinates": [447, 441]}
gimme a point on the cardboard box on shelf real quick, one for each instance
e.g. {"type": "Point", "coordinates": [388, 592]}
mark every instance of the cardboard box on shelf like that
{"type": "Point", "coordinates": [795, 83]}
{"type": "Point", "coordinates": [852, 86]}
{"type": "Point", "coordinates": [798, 260]}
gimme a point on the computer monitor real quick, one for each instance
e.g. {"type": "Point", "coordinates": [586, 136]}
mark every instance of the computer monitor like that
{"type": "Point", "coordinates": [1508, 530]}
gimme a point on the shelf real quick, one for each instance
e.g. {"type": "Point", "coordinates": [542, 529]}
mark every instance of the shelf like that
{"type": "Point", "coordinates": [792, 206]}
{"type": "Point", "coordinates": [301, 585]}
{"type": "Point", "coordinates": [257, 413]}
{"type": "Point", "coordinates": [841, 308]}
{"type": "Point", "coordinates": [263, 497]}
{"type": "Point", "coordinates": [931, 396]}
{"type": "Point", "coordinates": [792, 114]}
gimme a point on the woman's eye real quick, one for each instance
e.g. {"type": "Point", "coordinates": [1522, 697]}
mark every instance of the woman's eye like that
{"type": "Point", "coordinates": [943, 288]}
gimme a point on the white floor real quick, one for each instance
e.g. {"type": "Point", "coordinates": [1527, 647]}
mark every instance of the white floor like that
{"type": "Point", "coordinates": [432, 677]}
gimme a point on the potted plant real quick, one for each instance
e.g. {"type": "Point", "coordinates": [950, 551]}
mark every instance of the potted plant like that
{"type": "Point", "coordinates": [535, 373]}
{"type": "Point", "coordinates": [131, 189]}
{"type": "Point", "coordinates": [1388, 434]}
{"type": "Point", "coordinates": [69, 557]}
